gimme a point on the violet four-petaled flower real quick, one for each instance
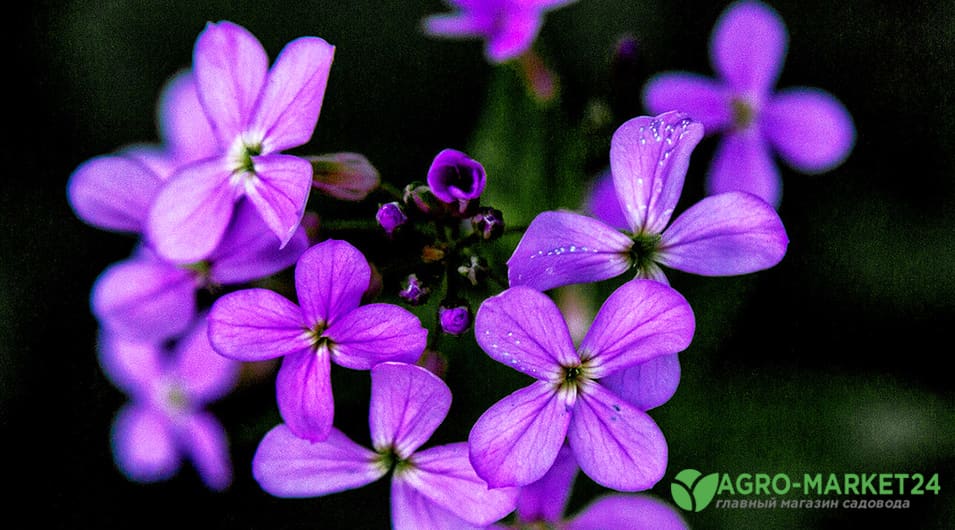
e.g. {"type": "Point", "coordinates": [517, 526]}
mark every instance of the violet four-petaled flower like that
{"type": "Point", "coordinates": [255, 113]}
{"type": "Point", "coordinates": [809, 128]}
{"type": "Point", "coordinates": [327, 325]}
{"type": "Point", "coordinates": [509, 27]}
{"type": "Point", "coordinates": [542, 504]}
{"type": "Point", "coordinates": [726, 234]}
{"type": "Point", "coordinates": [164, 419]}
{"type": "Point", "coordinates": [433, 488]}
{"type": "Point", "coordinates": [618, 445]}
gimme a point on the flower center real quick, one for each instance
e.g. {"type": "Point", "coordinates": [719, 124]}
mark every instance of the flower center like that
{"type": "Point", "coordinates": [245, 147]}
{"type": "Point", "coordinates": [743, 113]}
{"type": "Point", "coordinates": [643, 252]}
{"type": "Point", "coordinates": [388, 460]}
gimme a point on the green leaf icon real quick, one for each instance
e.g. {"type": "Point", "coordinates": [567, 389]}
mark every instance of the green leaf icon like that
{"type": "Point", "coordinates": [692, 491]}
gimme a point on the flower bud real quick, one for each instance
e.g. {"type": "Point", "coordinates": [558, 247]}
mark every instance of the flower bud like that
{"type": "Point", "coordinates": [488, 223]}
{"type": "Point", "coordinates": [418, 196]}
{"type": "Point", "coordinates": [414, 291]}
{"type": "Point", "coordinates": [455, 177]}
{"type": "Point", "coordinates": [455, 318]}
{"type": "Point", "coordinates": [390, 216]}
{"type": "Point", "coordinates": [346, 176]}
{"type": "Point", "coordinates": [475, 270]}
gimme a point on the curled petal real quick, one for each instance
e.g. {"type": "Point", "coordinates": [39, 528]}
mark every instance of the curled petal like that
{"type": "Point", "coordinates": [292, 98]}
{"type": "Point", "coordinates": [248, 250]}
{"type": "Point", "coordinates": [744, 162]}
{"type": "Point", "coordinates": [563, 248]}
{"type": "Point", "coordinates": [634, 512]}
{"type": "Point", "coordinates": [143, 443]}
{"type": "Point", "coordinates": [330, 279]}
{"type": "Point", "coordinates": [649, 157]}
{"type": "Point", "coordinates": [523, 329]}
{"type": "Point", "coordinates": [616, 444]}
{"type": "Point", "coordinates": [546, 499]}
{"type": "Point", "coordinates": [205, 441]}
{"type": "Point", "coordinates": [255, 325]}
{"type": "Point", "coordinates": [648, 384]}
{"type": "Point", "coordinates": [516, 441]}
{"type": "Point", "coordinates": [726, 234]}
{"type": "Point", "coordinates": [444, 475]}
{"type": "Point", "coordinates": [191, 212]}
{"type": "Point", "coordinates": [702, 98]}
{"type": "Point", "coordinates": [144, 299]}
{"type": "Point", "coordinates": [748, 46]}
{"type": "Point", "coordinates": [811, 129]}
{"type": "Point", "coordinates": [230, 66]}
{"type": "Point", "coordinates": [205, 374]}
{"type": "Point", "coordinates": [407, 404]}
{"type": "Point", "coordinates": [376, 333]}
{"type": "Point", "coordinates": [303, 389]}
{"type": "Point", "coordinates": [641, 320]}
{"type": "Point", "coordinates": [113, 192]}
{"type": "Point", "coordinates": [280, 190]}
{"type": "Point", "coordinates": [288, 466]}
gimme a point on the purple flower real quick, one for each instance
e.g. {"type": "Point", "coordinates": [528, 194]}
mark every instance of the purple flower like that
{"type": "Point", "coordinates": [390, 216]}
{"type": "Point", "coordinates": [255, 113]}
{"type": "Point", "coordinates": [113, 192]}
{"type": "Point", "coordinates": [542, 504]}
{"type": "Point", "coordinates": [327, 325]}
{"type": "Point", "coordinates": [414, 291]}
{"type": "Point", "coordinates": [722, 235]}
{"type": "Point", "coordinates": [810, 129]}
{"type": "Point", "coordinates": [455, 318]}
{"type": "Point", "coordinates": [148, 298]}
{"type": "Point", "coordinates": [433, 488]}
{"type": "Point", "coordinates": [164, 420]}
{"type": "Point", "coordinates": [488, 223]}
{"type": "Point", "coordinates": [455, 177]}
{"type": "Point", "coordinates": [508, 26]}
{"type": "Point", "coordinates": [618, 445]}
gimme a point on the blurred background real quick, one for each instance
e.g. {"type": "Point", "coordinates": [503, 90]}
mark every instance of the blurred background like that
{"type": "Point", "coordinates": [834, 361]}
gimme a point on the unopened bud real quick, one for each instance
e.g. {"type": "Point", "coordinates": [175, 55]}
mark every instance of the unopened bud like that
{"type": "Point", "coordinates": [390, 216]}
{"type": "Point", "coordinates": [475, 270]}
{"type": "Point", "coordinates": [346, 176]}
{"type": "Point", "coordinates": [414, 291]}
{"type": "Point", "coordinates": [455, 318]}
{"type": "Point", "coordinates": [488, 222]}
{"type": "Point", "coordinates": [418, 196]}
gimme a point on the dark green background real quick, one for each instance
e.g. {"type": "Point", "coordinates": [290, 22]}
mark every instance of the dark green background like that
{"type": "Point", "coordinates": [834, 361]}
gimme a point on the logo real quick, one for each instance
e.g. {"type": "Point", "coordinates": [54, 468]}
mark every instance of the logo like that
{"type": "Point", "coordinates": [692, 491]}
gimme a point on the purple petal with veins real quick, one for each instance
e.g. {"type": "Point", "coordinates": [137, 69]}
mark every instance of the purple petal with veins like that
{"type": "Point", "coordinates": [546, 499]}
{"type": "Point", "coordinates": [411, 510]}
{"type": "Point", "coordinates": [255, 325]}
{"type": "Point", "coordinates": [376, 333]}
{"type": "Point", "coordinates": [330, 279]}
{"type": "Point", "coordinates": [303, 389]}
{"type": "Point", "coordinates": [407, 404]}
{"type": "Point", "coordinates": [248, 250]}
{"type": "Point", "coordinates": [646, 385]}
{"type": "Point", "coordinates": [279, 190]}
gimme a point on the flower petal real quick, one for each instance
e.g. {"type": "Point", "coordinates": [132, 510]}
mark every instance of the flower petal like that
{"type": "Point", "coordinates": [143, 444]}
{"type": "Point", "coordinates": [602, 202]}
{"type": "Point", "coordinates": [292, 97]}
{"type": "Point", "coordinates": [648, 384]}
{"type": "Point", "coordinates": [546, 499]}
{"type": "Point", "coordinates": [248, 250]}
{"type": "Point", "coordinates": [702, 98]}
{"type": "Point", "coordinates": [144, 299]}
{"type": "Point", "coordinates": [523, 329]}
{"type": "Point", "coordinates": [255, 325]}
{"type": "Point", "coordinates": [616, 444]}
{"type": "Point", "coordinates": [748, 46]}
{"type": "Point", "coordinates": [303, 389]}
{"type": "Point", "coordinates": [113, 192]}
{"type": "Point", "coordinates": [444, 475]}
{"type": "Point", "coordinates": [280, 192]}
{"type": "Point", "coordinates": [407, 404]}
{"type": "Point", "coordinates": [132, 366]}
{"type": "Point", "coordinates": [411, 510]}
{"type": "Point", "coordinates": [376, 333]}
{"type": "Point", "coordinates": [562, 248]}
{"type": "Point", "coordinates": [191, 212]}
{"type": "Point", "coordinates": [183, 125]}
{"type": "Point", "coordinates": [641, 320]}
{"type": "Point", "coordinates": [330, 279]}
{"type": "Point", "coordinates": [634, 512]}
{"type": "Point", "coordinates": [288, 466]}
{"type": "Point", "coordinates": [206, 375]}
{"type": "Point", "coordinates": [516, 441]}
{"type": "Point", "coordinates": [230, 66]}
{"type": "Point", "coordinates": [725, 234]}
{"type": "Point", "coordinates": [513, 35]}
{"type": "Point", "coordinates": [744, 162]}
{"type": "Point", "coordinates": [205, 441]}
{"type": "Point", "coordinates": [811, 129]}
{"type": "Point", "coordinates": [649, 157]}
{"type": "Point", "coordinates": [458, 25]}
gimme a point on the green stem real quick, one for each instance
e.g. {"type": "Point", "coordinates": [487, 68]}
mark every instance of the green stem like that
{"type": "Point", "coordinates": [350, 224]}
